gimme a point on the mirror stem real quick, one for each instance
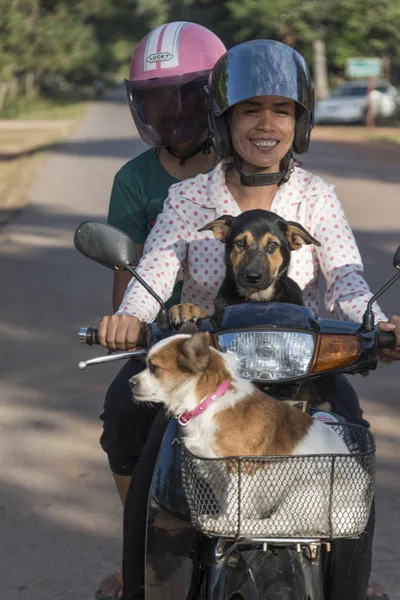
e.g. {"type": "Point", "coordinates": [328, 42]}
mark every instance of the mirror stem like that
{"type": "Point", "coordinates": [163, 315]}
{"type": "Point", "coordinates": [146, 287]}
{"type": "Point", "coordinates": [369, 318]}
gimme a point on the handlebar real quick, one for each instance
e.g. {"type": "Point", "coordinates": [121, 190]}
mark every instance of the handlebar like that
{"type": "Point", "coordinates": [90, 336]}
{"type": "Point", "coordinates": [386, 339]}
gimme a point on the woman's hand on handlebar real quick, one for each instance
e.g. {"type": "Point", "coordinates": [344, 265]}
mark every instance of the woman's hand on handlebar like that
{"type": "Point", "coordinates": [392, 325]}
{"type": "Point", "coordinates": [119, 332]}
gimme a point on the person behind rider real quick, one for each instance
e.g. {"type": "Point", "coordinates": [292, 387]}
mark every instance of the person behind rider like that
{"type": "Point", "coordinates": [166, 96]}
{"type": "Point", "coordinates": [261, 106]}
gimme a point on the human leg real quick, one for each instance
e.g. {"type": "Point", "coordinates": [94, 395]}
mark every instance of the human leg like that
{"type": "Point", "coordinates": [125, 428]}
{"type": "Point", "coordinates": [351, 565]}
{"type": "Point", "coordinates": [358, 553]}
{"type": "Point", "coordinates": [136, 510]}
{"type": "Point", "coordinates": [125, 423]}
{"type": "Point", "coordinates": [346, 402]}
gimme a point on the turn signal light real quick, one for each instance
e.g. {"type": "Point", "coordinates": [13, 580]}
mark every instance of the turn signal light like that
{"type": "Point", "coordinates": [335, 352]}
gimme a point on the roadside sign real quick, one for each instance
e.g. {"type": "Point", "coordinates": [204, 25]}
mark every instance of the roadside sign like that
{"type": "Point", "coordinates": [364, 67]}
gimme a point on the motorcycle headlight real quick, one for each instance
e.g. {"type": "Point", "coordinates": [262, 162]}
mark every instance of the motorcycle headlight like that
{"type": "Point", "coordinates": [270, 355]}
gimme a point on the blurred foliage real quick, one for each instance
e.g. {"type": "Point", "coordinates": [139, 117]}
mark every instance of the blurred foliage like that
{"type": "Point", "coordinates": [350, 28]}
{"type": "Point", "coordinates": [48, 44]}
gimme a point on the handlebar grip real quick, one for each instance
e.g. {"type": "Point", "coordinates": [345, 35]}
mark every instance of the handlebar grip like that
{"type": "Point", "coordinates": [386, 339]}
{"type": "Point", "coordinates": [142, 337]}
{"type": "Point", "coordinates": [90, 336]}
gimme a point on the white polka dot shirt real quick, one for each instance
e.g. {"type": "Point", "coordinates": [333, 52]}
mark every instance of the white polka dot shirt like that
{"type": "Point", "coordinates": [175, 242]}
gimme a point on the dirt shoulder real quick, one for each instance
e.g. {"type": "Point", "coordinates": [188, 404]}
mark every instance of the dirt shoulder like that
{"type": "Point", "coordinates": [378, 136]}
{"type": "Point", "coordinates": [23, 144]}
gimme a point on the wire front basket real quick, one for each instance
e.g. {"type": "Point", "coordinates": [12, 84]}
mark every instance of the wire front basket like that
{"type": "Point", "coordinates": [319, 496]}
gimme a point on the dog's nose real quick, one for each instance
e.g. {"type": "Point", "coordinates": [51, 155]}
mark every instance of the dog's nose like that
{"type": "Point", "coordinates": [252, 276]}
{"type": "Point", "coordinates": [133, 382]}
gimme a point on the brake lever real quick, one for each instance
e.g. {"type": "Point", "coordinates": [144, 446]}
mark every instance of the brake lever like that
{"type": "Point", "coordinates": [111, 358]}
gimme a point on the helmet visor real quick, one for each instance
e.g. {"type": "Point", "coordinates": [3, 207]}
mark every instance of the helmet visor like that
{"type": "Point", "coordinates": [260, 68]}
{"type": "Point", "coordinates": [169, 115]}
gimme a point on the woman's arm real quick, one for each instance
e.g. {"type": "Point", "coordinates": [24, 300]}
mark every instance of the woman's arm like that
{"type": "Point", "coordinates": [165, 249]}
{"type": "Point", "coordinates": [347, 292]}
{"type": "Point", "coordinates": [164, 252]}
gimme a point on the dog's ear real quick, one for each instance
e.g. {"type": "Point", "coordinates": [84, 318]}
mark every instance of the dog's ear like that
{"type": "Point", "coordinates": [297, 236]}
{"type": "Point", "coordinates": [195, 353]}
{"type": "Point", "coordinates": [221, 227]}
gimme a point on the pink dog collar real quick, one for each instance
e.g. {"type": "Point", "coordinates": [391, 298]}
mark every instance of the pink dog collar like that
{"type": "Point", "coordinates": [185, 417]}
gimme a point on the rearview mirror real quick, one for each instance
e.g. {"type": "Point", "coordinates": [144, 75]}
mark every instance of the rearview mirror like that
{"type": "Point", "coordinates": [368, 317]}
{"type": "Point", "coordinates": [114, 249]}
{"type": "Point", "coordinates": [106, 245]}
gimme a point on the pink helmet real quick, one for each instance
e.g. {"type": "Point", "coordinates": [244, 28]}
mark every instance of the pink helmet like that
{"type": "Point", "coordinates": [168, 73]}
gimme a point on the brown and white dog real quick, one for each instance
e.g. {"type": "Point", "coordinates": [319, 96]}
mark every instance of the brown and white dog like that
{"type": "Point", "coordinates": [184, 369]}
{"type": "Point", "coordinates": [184, 372]}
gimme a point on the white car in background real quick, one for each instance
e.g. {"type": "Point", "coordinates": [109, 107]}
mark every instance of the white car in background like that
{"type": "Point", "coordinates": [348, 103]}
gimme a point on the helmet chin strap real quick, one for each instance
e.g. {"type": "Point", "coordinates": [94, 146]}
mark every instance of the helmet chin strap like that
{"type": "Point", "coordinates": [258, 179]}
{"type": "Point", "coordinates": [204, 147]}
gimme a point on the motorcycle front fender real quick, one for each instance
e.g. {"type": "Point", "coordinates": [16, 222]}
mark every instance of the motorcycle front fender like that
{"type": "Point", "coordinates": [274, 574]}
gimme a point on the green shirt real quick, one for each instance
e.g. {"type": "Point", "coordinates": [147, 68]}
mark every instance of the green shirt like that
{"type": "Point", "coordinates": [137, 197]}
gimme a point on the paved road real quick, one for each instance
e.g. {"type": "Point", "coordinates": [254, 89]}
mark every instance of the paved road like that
{"type": "Point", "coordinates": [60, 520]}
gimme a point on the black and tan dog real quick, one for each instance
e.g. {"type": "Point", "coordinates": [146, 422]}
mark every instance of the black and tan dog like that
{"type": "Point", "coordinates": [258, 244]}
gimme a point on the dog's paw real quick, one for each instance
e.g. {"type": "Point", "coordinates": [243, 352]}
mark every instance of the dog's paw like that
{"type": "Point", "coordinates": [181, 313]}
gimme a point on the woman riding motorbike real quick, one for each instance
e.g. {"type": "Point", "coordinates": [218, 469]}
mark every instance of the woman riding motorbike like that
{"type": "Point", "coordinates": [166, 96]}
{"type": "Point", "coordinates": [261, 106]}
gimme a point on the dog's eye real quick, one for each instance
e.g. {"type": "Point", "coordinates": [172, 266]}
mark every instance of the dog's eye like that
{"type": "Point", "coordinates": [152, 367]}
{"type": "Point", "coordinates": [240, 243]}
{"type": "Point", "coordinates": [272, 246]}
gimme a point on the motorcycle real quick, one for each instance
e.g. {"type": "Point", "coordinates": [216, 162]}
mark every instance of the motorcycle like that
{"type": "Point", "coordinates": [199, 549]}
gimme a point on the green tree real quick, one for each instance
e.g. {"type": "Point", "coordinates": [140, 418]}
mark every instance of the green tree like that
{"type": "Point", "coordinates": [347, 27]}
{"type": "Point", "coordinates": [42, 41]}
{"type": "Point", "coordinates": [119, 26]}
{"type": "Point", "coordinates": [209, 13]}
